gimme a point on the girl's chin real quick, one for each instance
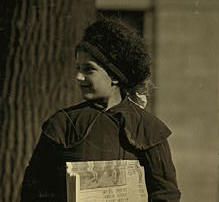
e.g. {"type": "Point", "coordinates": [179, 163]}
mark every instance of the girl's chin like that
{"type": "Point", "coordinates": [88, 96]}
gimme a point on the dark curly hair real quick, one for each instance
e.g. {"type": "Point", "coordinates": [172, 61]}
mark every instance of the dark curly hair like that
{"type": "Point", "coordinates": [119, 48]}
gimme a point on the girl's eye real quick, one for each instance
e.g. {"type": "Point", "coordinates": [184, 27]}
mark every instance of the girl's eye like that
{"type": "Point", "coordinates": [88, 68]}
{"type": "Point", "coordinates": [85, 68]}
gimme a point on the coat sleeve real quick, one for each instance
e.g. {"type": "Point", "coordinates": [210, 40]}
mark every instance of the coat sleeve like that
{"type": "Point", "coordinates": [44, 178]}
{"type": "Point", "coordinates": [160, 174]}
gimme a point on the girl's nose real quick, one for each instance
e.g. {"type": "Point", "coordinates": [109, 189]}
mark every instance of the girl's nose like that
{"type": "Point", "coordinates": [80, 76]}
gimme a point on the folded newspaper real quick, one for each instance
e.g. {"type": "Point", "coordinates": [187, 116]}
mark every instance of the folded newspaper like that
{"type": "Point", "coordinates": [106, 181]}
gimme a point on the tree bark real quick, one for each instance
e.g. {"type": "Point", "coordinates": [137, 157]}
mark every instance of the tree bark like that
{"type": "Point", "coordinates": [37, 40]}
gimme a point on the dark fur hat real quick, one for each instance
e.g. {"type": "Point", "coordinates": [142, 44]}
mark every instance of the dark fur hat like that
{"type": "Point", "coordinates": [119, 49]}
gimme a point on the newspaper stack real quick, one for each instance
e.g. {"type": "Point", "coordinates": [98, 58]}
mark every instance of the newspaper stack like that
{"type": "Point", "coordinates": [106, 181]}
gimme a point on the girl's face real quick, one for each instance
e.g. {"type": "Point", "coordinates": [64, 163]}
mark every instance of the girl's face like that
{"type": "Point", "coordinates": [94, 81]}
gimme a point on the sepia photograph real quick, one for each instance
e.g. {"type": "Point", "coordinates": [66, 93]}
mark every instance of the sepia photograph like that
{"type": "Point", "coordinates": [109, 101]}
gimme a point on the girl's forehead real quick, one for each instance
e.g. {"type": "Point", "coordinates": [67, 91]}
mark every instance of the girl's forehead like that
{"type": "Point", "coordinates": [83, 57]}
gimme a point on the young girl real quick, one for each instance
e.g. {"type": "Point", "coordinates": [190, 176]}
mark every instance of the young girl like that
{"type": "Point", "coordinates": [112, 124]}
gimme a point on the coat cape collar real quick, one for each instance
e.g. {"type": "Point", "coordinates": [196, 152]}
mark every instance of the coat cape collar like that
{"type": "Point", "coordinates": [142, 129]}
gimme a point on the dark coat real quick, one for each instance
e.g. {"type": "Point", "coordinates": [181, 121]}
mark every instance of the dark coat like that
{"type": "Point", "coordinates": [86, 132]}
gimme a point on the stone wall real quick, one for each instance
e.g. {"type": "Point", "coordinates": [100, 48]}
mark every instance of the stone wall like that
{"type": "Point", "coordinates": [187, 47]}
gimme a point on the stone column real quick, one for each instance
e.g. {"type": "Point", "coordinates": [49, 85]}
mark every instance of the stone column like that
{"type": "Point", "coordinates": [186, 99]}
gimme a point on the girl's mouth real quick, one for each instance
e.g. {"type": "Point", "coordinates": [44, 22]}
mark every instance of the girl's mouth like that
{"type": "Point", "coordinates": [85, 85]}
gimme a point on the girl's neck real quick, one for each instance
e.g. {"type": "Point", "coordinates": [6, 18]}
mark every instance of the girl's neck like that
{"type": "Point", "coordinates": [114, 100]}
{"type": "Point", "coordinates": [107, 103]}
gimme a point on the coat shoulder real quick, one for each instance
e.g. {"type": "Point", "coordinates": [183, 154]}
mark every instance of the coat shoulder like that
{"type": "Point", "coordinates": [143, 129]}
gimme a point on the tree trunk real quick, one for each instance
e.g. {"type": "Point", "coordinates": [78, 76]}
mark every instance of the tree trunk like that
{"type": "Point", "coordinates": [37, 40]}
